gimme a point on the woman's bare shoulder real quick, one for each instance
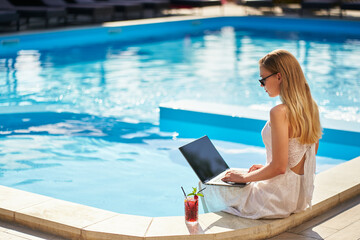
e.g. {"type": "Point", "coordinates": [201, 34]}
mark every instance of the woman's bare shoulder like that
{"type": "Point", "coordinates": [278, 119]}
{"type": "Point", "coordinates": [278, 111]}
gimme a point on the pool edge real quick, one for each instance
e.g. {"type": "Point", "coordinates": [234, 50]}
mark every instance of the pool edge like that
{"type": "Point", "coordinates": [76, 221]}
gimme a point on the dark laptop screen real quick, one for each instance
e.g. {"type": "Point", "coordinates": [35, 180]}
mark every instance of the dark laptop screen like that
{"type": "Point", "coordinates": [204, 158]}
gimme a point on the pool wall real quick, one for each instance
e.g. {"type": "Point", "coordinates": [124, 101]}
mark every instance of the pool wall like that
{"type": "Point", "coordinates": [193, 119]}
{"type": "Point", "coordinates": [119, 32]}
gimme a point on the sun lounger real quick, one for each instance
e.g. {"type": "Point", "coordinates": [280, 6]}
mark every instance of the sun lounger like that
{"type": "Point", "coordinates": [9, 16]}
{"type": "Point", "coordinates": [349, 5]}
{"type": "Point", "coordinates": [318, 4]}
{"type": "Point", "coordinates": [34, 11]}
{"type": "Point", "coordinates": [119, 6]}
{"type": "Point", "coordinates": [256, 3]}
{"type": "Point", "coordinates": [156, 6]}
{"type": "Point", "coordinates": [95, 12]}
{"type": "Point", "coordinates": [128, 9]}
{"type": "Point", "coordinates": [195, 3]}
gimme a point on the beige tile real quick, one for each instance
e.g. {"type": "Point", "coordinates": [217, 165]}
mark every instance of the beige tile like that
{"type": "Point", "coordinates": [332, 213]}
{"type": "Point", "coordinates": [175, 228]}
{"type": "Point", "coordinates": [341, 177]}
{"type": "Point", "coordinates": [33, 235]}
{"type": "Point", "coordinates": [313, 222]}
{"type": "Point", "coordinates": [341, 182]}
{"type": "Point", "coordinates": [119, 227]}
{"type": "Point", "coordinates": [24, 232]}
{"type": "Point", "coordinates": [61, 217]}
{"type": "Point", "coordinates": [225, 225]}
{"type": "Point", "coordinates": [322, 193]}
{"type": "Point", "coordinates": [317, 209]}
{"type": "Point", "coordinates": [343, 219]}
{"type": "Point", "coordinates": [292, 236]}
{"type": "Point", "coordinates": [12, 200]}
{"type": "Point", "coordinates": [7, 236]}
{"type": "Point", "coordinates": [221, 221]}
{"type": "Point", "coordinates": [318, 232]}
{"type": "Point", "coordinates": [351, 232]}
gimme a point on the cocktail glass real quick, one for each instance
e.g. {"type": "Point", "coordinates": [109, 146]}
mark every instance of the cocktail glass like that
{"type": "Point", "coordinates": [191, 210]}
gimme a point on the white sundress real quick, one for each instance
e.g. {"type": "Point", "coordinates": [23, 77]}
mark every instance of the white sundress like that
{"type": "Point", "coordinates": [277, 197]}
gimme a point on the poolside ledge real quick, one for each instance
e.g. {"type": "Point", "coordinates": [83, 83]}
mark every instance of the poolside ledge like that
{"type": "Point", "coordinates": [75, 221]}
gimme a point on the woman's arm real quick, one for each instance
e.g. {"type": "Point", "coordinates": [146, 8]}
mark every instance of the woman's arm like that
{"type": "Point", "coordinates": [280, 144]}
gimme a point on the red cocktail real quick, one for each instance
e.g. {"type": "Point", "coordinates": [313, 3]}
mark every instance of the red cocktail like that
{"type": "Point", "coordinates": [191, 209]}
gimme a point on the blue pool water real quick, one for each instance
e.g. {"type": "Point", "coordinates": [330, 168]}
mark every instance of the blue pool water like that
{"type": "Point", "coordinates": [81, 122]}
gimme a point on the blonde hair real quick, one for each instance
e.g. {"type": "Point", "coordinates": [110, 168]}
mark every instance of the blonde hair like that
{"type": "Point", "coordinates": [303, 112]}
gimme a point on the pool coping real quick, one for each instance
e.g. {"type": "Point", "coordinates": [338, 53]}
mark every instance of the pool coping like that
{"type": "Point", "coordinates": [76, 221]}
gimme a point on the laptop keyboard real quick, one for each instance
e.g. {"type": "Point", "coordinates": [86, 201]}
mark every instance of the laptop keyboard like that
{"type": "Point", "coordinates": [218, 177]}
{"type": "Point", "coordinates": [221, 175]}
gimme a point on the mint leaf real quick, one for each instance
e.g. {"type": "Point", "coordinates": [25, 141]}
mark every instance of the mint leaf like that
{"type": "Point", "coordinates": [195, 193]}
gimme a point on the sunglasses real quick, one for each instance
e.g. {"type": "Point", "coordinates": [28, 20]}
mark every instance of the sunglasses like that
{"type": "Point", "coordinates": [262, 81]}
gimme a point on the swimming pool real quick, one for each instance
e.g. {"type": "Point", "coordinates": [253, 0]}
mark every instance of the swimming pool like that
{"type": "Point", "coordinates": [81, 122]}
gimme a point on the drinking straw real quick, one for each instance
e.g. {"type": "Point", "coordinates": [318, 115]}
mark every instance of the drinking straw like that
{"type": "Point", "coordinates": [185, 197]}
{"type": "Point", "coordinates": [202, 189]}
{"type": "Point", "coordinates": [183, 191]}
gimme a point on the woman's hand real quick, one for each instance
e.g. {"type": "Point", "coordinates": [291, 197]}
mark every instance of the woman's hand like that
{"type": "Point", "coordinates": [255, 167]}
{"type": "Point", "coordinates": [234, 176]}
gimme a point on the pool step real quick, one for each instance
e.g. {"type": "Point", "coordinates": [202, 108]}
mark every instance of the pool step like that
{"type": "Point", "coordinates": [193, 119]}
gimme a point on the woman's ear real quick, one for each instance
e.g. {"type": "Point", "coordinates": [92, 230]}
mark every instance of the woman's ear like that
{"type": "Point", "coordinates": [278, 75]}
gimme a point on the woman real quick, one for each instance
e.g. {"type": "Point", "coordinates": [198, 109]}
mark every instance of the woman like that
{"type": "Point", "coordinates": [291, 137]}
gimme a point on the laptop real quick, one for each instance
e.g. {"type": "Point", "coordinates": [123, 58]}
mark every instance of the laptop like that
{"type": "Point", "coordinates": [207, 163]}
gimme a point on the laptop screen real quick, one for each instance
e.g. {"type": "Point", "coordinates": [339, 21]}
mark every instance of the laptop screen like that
{"type": "Point", "coordinates": [204, 159]}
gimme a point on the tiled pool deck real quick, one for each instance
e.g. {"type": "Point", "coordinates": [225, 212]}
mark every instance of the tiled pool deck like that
{"type": "Point", "coordinates": [335, 213]}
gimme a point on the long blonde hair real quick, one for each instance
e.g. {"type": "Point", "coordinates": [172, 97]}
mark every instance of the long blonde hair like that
{"type": "Point", "coordinates": [303, 112]}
